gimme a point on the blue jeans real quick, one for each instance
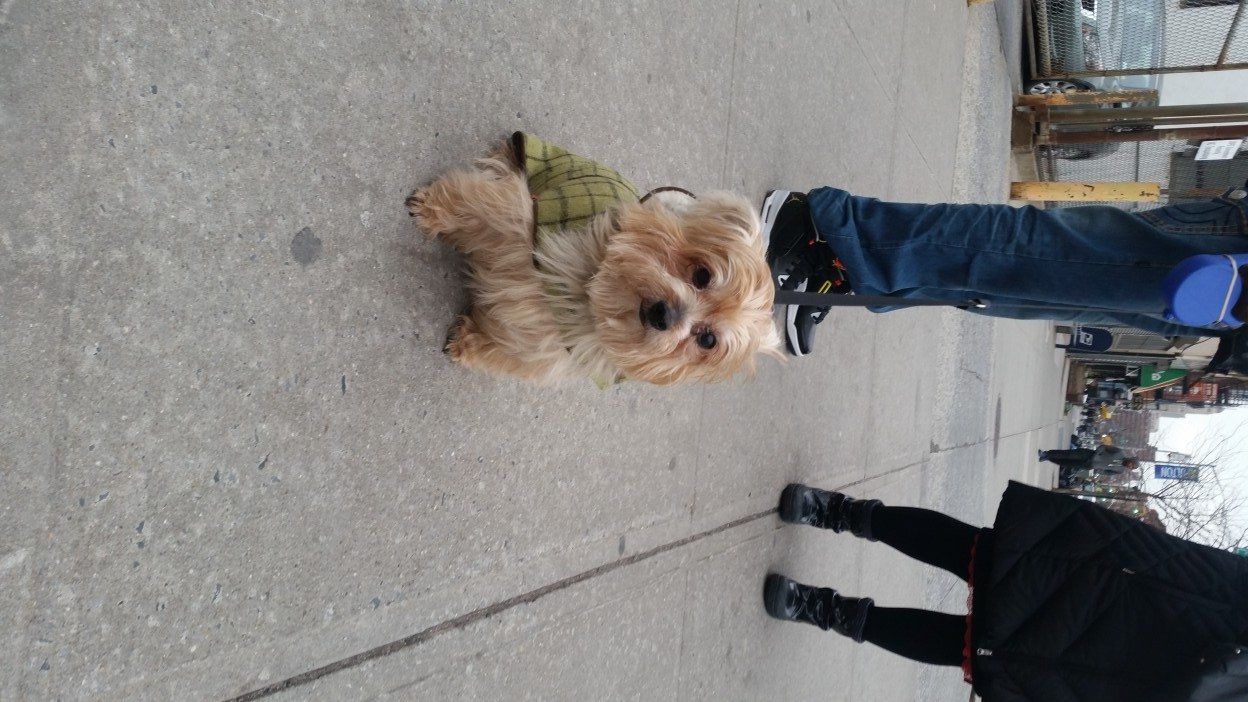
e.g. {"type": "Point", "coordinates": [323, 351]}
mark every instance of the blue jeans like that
{"type": "Point", "coordinates": [1093, 265]}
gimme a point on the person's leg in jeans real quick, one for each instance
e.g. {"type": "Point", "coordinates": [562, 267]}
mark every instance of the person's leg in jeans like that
{"type": "Point", "coordinates": [1095, 262]}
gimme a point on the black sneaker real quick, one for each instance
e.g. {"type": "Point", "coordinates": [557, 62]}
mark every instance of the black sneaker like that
{"type": "Point", "coordinates": [800, 260]}
{"type": "Point", "coordinates": [827, 277]}
{"type": "Point", "coordinates": [799, 326]}
{"type": "Point", "coordinates": [788, 231]}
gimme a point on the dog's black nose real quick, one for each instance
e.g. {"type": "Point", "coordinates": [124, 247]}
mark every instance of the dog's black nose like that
{"type": "Point", "coordinates": [659, 315]}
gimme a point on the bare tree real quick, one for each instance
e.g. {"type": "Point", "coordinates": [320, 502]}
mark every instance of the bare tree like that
{"type": "Point", "coordinates": [1211, 511]}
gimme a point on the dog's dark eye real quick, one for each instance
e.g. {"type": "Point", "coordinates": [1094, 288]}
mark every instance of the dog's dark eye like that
{"type": "Point", "coordinates": [701, 279]}
{"type": "Point", "coordinates": [706, 340]}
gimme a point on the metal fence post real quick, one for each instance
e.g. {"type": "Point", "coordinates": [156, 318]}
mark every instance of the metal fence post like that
{"type": "Point", "coordinates": [1086, 97]}
{"type": "Point", "coordinates": [1234, 131]}
{"type": "Point", "coordinates": [1169, 115]}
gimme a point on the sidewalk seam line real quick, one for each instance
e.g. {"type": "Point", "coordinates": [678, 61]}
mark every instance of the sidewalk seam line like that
{"type": "Point", "coordinates": [732, 86]}
{"type": "Point", "coordinates": [486, 612]}
{"type": "Point", "coordinates": [529, 597]}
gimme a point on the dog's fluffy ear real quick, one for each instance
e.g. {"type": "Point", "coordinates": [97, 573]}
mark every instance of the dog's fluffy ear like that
{"type": "Point", "coordinates": [729, 212]}
{"type": "Point", "coordinates": [772, 345]}
{"type": "Point", "coordinates": [673, 199]}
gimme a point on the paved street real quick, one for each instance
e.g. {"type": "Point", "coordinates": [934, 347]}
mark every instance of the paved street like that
{"type": "Point", "coordinates": [233, 458]}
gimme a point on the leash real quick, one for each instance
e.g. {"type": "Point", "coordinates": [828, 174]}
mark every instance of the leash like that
{"type": "Point", "coordinates": [813, 299]}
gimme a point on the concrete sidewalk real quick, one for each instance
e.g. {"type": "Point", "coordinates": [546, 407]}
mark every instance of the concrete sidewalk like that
{"type": "Point", "coordinates": [233, 457]}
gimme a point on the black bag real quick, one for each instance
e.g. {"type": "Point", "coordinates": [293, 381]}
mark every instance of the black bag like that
{"type": "Point", "coordinates": [1232, 353]}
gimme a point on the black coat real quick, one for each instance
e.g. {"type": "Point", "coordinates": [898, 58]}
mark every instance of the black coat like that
{"type": "Point", "coordinates": [1074, 602]}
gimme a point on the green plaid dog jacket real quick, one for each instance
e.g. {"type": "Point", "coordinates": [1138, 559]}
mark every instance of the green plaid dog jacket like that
{"type": "Point", "coordinates": [568, 190]}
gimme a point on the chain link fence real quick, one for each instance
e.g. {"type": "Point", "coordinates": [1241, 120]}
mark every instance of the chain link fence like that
{"type": "Point", "coordinates": [1104, 39]}
{"type": "Point", "coordinates": [1127, 45]}
{"type": "Point", "coordinates": [1173, 164]}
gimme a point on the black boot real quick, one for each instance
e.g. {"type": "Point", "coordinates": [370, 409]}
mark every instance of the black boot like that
{"type": "Point", "coordinates": [800, 504]}
{"type": "Point", "coordinates": [822, 606]}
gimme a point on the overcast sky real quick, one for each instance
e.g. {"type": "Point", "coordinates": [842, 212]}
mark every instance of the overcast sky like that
{"type": "Point", "coordinates": [1188, 434]}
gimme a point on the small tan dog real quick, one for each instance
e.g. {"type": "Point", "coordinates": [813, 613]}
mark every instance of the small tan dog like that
{"type": "Point", "coordinates": [572, 276]}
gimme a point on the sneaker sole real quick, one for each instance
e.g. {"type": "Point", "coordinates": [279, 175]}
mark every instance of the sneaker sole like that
{"type": "Point", "coordinates": [772, 203]}
{"type": "Point", "coordinates": [780, 264]}
{"type": "Point", "coordinates": [790, 326]}
{"type": "Point", "coordinates": [771, 207]}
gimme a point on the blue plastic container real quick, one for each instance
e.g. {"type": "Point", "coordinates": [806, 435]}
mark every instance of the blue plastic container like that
{"type": "Point", "coordinates": [1202, 290]}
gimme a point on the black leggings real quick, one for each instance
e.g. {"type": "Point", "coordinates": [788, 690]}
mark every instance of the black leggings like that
{"type": "Point", "coordinates": [935, 539]}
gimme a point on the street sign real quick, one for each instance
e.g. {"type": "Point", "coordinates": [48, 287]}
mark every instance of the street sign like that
{"type": "Point", "coordinates": [1218, 149]}
{"type": "Point", "coordinates": [1177, 471]}
{"type": "Point", "coordinates": [1090, 339]}
{"type": "Point", "coordinates": [1151, 378]}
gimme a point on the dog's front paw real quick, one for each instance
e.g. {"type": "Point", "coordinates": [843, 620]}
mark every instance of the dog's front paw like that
{"type": "Point", "coordinates": [449, 346]}
{"type": "Point", "coordinates": [458, 338]}
{"type": "Point", "coordinates": [425, 216]}
{"type": "Point", "coordinates": [416, 200]}
{"type": "Point", "coordinates": [438, 208]}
